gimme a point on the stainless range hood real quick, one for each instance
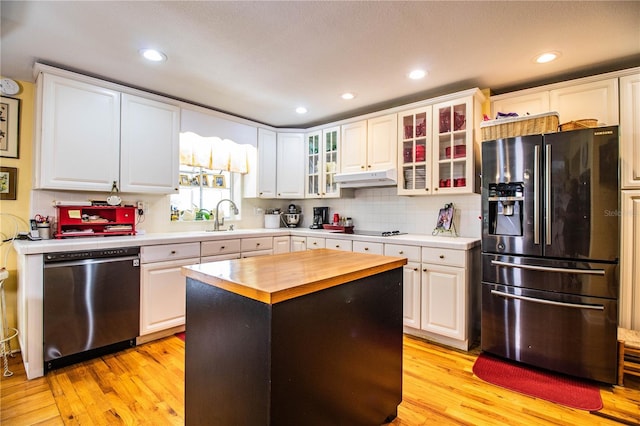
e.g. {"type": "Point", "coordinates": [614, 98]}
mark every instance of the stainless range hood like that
{"type": "Point", "coordinates": [367, 179]}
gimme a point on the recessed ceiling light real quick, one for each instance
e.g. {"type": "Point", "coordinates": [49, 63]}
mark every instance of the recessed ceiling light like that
{"type": "Point", "coordinates": [417, 74]}
{"type": "Point", "coordinates": [153, 55]}
{"type": "Point", "coordinates": [547, 57]}
{"type": "Point", "coordinates": [348, 96]}
{"type": "Point", "coordinates": [301, 110]}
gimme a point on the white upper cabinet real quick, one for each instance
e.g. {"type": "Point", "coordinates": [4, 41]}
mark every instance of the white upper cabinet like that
{"type": "Point", "coordinates": [267, 148]}
{"type": "Point", "coordinates": [370, 144]}
{"type": "Point", "coordinates": [592, 97]}
{"type": "Point", "coordinates": [525, 104]}
{"type": "Point", "coordinates": [354, 147]}
{"type": "Point", "coordinates": [630, 131]}
{"type": "Point", "coordinates": [415, 161]}
{"type": "Point", "coordinates": [323, 162]}
{"type": "Point", "coordinates": [456, 140]}
{"type": "Point", "coordinates": [382, 142]}
{"type": "Point", "coordinates": [290, 165]}
{"type": "Point", "coordinates": [90, 135]}
{"type": "Point", "coordinates": [598, 99]}
{"type": "Point", "coordinates": [79, 135]}
{"type": "Point", "coordinates": [149, 130]}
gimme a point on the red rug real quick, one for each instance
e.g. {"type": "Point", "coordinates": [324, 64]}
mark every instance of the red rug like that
{"type": "Point", "coordinates": [560, 389]}
{"type": "Point", "coordinates": [181, 335]}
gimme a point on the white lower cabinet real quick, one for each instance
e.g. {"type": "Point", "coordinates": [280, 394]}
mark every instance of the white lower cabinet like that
{"type": "Point", "coordinates": [411, 295]}
{"type": "Point", "coordinates": [298, 243]}
{"type": "Point", "coordinates": [281, 244]}
{"type": "Point", "coordinates": [443, 300]}
{"type": "Point", "coordinates": [440, 293]}
{"type": "Point", "coordinates": [162, 285]}
{"type": "Point", "coordinates": [315, 243]}
{"type": "Point", "coordinates": [258, 246]}
{"type": "Point", "coordinates": [336, 244]}
{"type": "Point", "coordinates": [411, 282]}
{"type": "Point", "coordinates": [367, 247]}
{"type": "Point", "coordinates": [629, 260]}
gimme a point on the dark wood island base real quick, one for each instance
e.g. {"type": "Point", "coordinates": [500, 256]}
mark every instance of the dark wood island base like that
{"type": "Point", "coordinates": [327, 355]}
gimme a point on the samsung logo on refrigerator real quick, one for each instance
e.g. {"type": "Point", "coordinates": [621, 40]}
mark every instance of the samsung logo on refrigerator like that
{"type": "Point", "coordinates": [604, 132]}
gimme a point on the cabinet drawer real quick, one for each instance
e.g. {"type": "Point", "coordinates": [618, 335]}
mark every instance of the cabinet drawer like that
{"type": "Point", "coordinates": [163, 252]}
{"type": "Point", "coordinates": [412, 253]}
{"type": "Point", "coordinates": [256, 253]}
{"type": "Point", "coordinates": [365, 247]}
{"type": "Point", "coordinates": [336, 244]}
{"type": "Point", "coordinates": [259, 243]}
{"type": "Point", "coordinates": [214, 248]}
{"type": "Point", "coordinates": [230, 256]}
{"type": "Point", "coordinates": [443, 256]}
{"type": "Point", "coordinates": [315, 243]}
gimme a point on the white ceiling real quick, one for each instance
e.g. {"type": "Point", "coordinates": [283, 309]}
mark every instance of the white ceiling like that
{"type": "Point", "coordinates": [260, 60]}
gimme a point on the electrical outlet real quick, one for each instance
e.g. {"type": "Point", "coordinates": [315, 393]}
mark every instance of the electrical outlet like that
{"type": "Point", "coordinates": [140, 205]}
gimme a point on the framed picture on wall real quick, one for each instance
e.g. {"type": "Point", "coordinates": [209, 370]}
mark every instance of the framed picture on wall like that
{"type": "Point", "coordinates": [8, 183]}
{"type": "Point", "coordinates": [9, 125]}
{"type": "Point", "coordinates": [219, 181]}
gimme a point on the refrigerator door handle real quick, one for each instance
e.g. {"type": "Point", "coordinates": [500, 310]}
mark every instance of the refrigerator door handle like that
{"type": "Point", "coordinates": [549, 268]}
{"type": "Point", "coordinates": [536, 194]}
{"type": "Point", "coordinates": [548, 302]}
{"type": "Point", "coordinates": [547, 195]}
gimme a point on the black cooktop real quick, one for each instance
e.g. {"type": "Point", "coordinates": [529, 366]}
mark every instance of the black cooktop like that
{"type": "Point", "coordinates": [378, 233]}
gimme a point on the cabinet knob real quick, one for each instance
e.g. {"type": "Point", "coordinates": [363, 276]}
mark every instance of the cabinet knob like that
{"type": "Point", "coordinates": [257, 244]}
{"type": "Point", "coordinates": [366, 249]}
{"type": "Point", "coordinates": [424, 270]}
{"type": "Point", "coordinates": [442, 256]}
{"type": "Point", "coordinates": [173, 252]}
{"type": "Point", "coordinates": [401, 252]}
{"type": "Point", "coordinates": [415, 269]}
{"type": "Point", "coordinates": [222, 247]}
{"type": "Point", "coordinates": [337, 245]}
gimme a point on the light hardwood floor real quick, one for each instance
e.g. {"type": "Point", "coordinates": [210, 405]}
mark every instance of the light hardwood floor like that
{"type": "Point", "coordinates": [145, 386]}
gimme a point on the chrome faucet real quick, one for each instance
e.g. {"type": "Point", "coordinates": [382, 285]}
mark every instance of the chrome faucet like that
{"type": "Point", "coordinates": [216, 223]}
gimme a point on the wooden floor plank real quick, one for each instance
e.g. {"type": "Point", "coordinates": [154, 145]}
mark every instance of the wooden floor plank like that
{"type": "Point", "coordinates": [145, 386]}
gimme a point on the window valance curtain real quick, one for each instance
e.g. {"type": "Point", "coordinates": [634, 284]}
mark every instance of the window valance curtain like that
{"type": "Point", "coordinates": [213, 153]}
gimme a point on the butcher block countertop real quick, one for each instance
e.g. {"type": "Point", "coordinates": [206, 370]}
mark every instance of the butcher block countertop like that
{"type": "Point", "coordinates": [274, 279]}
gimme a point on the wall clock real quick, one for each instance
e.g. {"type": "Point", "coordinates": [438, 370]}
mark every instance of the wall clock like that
{"type": "Point", "coordinates": [9, 87]}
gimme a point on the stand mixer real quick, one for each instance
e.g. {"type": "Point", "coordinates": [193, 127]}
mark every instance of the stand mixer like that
{"type": "Point", "coordinates": [292, 217]}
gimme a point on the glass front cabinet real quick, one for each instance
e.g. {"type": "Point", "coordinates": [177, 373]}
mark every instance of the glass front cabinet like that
{"type": "Point", "coordinates": [456, 144]}
{"type": "Point", "coordinates": [414, 152]}
{"type": "Point", "coordinates": [323, 162]}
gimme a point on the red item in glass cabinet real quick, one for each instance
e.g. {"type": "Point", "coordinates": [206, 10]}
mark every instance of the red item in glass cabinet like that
{"type": "Point", "coordinates": [445, 120]}
{"type": "Point", "coordinates": [407, 155]}
{"type": "Point", "coordinates": [458, 151]}
{"type": "Point", "coordinates": [459, 120]}
{"type": "Point", "coordinates": [459, 182]}
{"type": "Point", "coordinates": [445, 183]}
{"type": "Point", "coordinates": [420, 151]}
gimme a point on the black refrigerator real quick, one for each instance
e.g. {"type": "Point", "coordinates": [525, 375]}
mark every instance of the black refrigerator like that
{"type": "Point", "coordinates": [550, 251]}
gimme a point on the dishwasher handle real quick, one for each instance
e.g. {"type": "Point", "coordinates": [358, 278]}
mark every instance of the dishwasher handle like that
{"type": "Point", "coordinates": [135, 259]}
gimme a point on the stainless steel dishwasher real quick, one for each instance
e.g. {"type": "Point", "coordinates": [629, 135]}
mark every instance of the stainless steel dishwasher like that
{"type": "Point", "coordinates": [91, 304]}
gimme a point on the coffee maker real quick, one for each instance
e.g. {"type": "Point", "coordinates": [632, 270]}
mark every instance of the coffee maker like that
{"type": "Point", "coordinates": [320, 217]}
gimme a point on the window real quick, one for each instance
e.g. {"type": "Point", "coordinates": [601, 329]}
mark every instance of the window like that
{"type": "Point", "coordinates": [201, 187]}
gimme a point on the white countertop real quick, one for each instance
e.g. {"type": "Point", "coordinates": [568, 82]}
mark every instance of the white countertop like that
{"type": "Point", "coordinates": [26, 247]}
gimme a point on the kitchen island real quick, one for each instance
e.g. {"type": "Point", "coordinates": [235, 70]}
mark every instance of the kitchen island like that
{"type": "Point", "coordinates": [311, 337]}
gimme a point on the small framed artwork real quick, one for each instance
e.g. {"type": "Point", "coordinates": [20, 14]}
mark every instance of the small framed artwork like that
{"type": "Point", "coordinates": [219, 181]}
{"type": "Point", "coordinates": [205, 180]}
{"type": "Point", "coordinates": [184, 180]}
{"type": "Point", "coordinates": [8, 183]}
{"type": "Point", "coordinates": [445, 218]}
{"type": "Point", "coordinates": [9, 118]}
